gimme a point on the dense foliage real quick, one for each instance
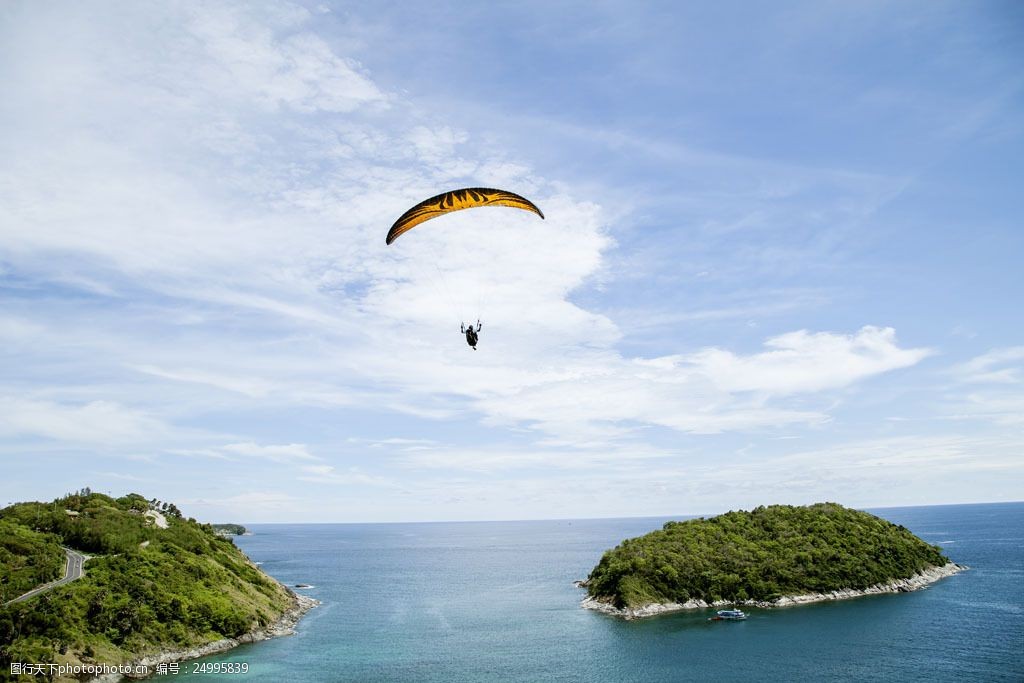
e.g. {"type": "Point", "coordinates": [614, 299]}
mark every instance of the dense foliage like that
{"type": "Point", "coordinates": [229, 529]}
{"type": "Point", "coordinates": [27, 559]}
{"type": "Point", "coordinates": [145, 588]}
{"type": "Point", "coordinates": [760, 555]}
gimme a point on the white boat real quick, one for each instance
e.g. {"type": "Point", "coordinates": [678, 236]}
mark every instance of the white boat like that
{"type": "Point", "coordinates": [729, 615]}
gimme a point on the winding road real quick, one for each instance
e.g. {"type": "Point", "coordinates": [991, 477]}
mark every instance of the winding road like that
{"type": "Point", "coordinates": [73, 569]}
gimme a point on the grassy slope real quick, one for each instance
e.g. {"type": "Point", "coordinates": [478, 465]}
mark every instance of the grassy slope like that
{"type": "Point", "coordinates": [760, 555]}
{"type": "Point", "coordinates": [185, 587]}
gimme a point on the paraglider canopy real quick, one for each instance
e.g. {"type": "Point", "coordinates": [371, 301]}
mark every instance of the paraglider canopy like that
{"type": "Point", "coordinates": [456, 200]}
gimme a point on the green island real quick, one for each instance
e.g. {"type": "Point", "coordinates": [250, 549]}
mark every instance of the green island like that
{"type": "Point", "coordinates": [229, 529]}
{"type": "Point", "coordinates": [156, 587]}
{"type": "Point", "coordinates": [771, 556]}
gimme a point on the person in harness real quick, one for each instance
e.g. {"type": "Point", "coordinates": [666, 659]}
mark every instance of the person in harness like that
{"type": "Point", "coordinates": [472, 336]}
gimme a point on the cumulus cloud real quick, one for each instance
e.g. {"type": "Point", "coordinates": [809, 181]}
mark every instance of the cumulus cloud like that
{"type": "Point", "coordinates": [708, 391]}
{"type": "Point", "coordinates": [805, 361]}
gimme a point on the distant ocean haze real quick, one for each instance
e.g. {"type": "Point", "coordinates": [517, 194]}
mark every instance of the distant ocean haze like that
{"type": "Point", "coordinates": [494, 601]}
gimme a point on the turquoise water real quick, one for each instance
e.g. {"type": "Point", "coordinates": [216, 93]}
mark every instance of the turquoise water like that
{"type": "Point", "coordinates": [494, 601]}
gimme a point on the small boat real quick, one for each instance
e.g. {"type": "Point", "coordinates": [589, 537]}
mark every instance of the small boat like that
{"type": "Point", "coordinates": [729, 615]}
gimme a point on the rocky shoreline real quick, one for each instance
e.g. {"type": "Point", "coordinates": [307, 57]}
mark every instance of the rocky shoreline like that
{"type": "Point", "coordinates": [913, 583]}
{"type": "Point", "coordinates": [284, 626]}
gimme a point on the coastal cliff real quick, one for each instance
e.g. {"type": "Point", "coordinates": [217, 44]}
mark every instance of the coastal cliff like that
{"type": "Point", "coordinates": [770, 557]}
{"type": "Point", "coordinates": [283, 626]}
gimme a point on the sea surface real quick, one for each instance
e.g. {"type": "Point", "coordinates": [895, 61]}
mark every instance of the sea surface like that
{"type": "Point", "coordinates": [494, 601]}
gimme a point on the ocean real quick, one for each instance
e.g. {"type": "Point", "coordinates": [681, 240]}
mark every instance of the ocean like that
{"type": "Point", "coordinates": [494, 601]}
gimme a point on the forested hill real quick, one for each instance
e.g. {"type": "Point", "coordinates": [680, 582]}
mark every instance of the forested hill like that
{"type": "Point", "coordinates": [154, 581]}
{"type": "Point", "coordinates": [759, 555]}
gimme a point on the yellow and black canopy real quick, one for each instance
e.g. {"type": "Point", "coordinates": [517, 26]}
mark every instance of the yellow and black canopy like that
{"type": "Point", "coordinates": [456, 200]}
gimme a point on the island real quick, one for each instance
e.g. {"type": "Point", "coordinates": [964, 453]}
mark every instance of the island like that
{"type": "Point", "coordinates": [88, 579]}
{"type": "Point", "coordinates": [768, 557]}
{"type": "Point", "coordinates": [230, 529]}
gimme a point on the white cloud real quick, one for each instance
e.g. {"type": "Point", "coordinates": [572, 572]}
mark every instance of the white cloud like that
{"type": "Point", "coordinates": [997, 394]}
{"type": "Point", "coordinates": [708, 391]}
{"type": "Point", "coordinates": [124, 477]}
{"type": "Point", "coordinates": [17, 331]}
{"type": "Point", "coordinates": [95, 423]}
{"type": "Point", "coordinates": [395, 441]}
{"type": "Point", "coordinates": [803, 361]}
{"type": "Point", "coordinates": [1005, 409]}
{"type": "Point", "coordinates": [299, 70]}
{"type": "Point", "coordinates": [992, 367]}
{"type": "Point", "coordinates": [259, 505]}
{"type": "Point", "coordinates": [352, 476]}
{"type": "Point", "coordinates": [285, 453]}
{"type": "Point", "coordinates": [608, 457]}
{"type": "Point", "coordinates": [259, 498]}
{"type": "Point", "coordinates": [248, 386]}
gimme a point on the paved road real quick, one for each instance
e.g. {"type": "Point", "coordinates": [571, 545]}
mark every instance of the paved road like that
{"type": "Point", "coordinates": [73, 569]}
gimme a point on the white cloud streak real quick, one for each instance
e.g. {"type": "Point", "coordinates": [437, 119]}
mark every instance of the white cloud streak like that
{"type": "Point", "coordinates": [94, 423]}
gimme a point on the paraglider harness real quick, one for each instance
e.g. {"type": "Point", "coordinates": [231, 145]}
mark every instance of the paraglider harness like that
{"type": "Point", "coordinates": [471, 334]}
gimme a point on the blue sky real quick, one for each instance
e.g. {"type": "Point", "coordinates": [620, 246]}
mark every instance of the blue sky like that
{"type": "Point", "coordinates": [780, 261]}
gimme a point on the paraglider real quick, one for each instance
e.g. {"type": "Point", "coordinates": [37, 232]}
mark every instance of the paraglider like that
{"type": "Point", "coordinates": [456, 200]}
{"type": "Point", "coordinates": [472, 336]}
